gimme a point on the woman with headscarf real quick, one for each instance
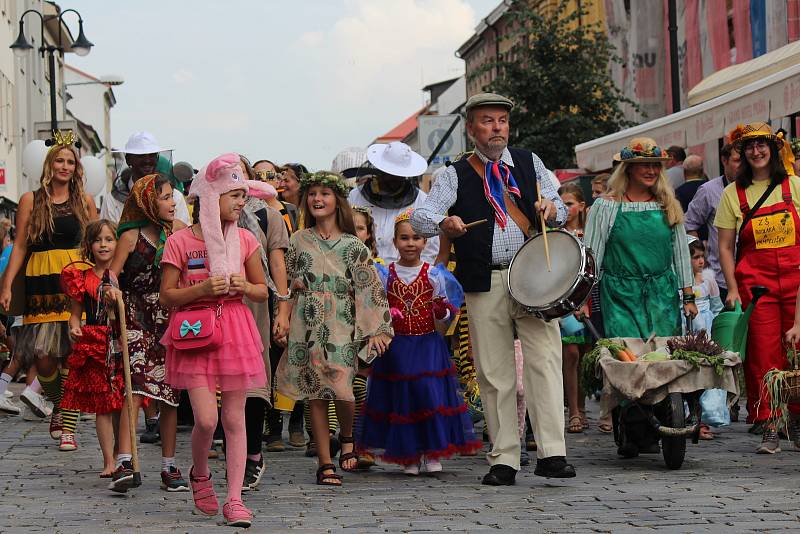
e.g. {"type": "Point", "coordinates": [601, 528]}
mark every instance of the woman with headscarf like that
{"type": "Point", "coordinates": [148, 218]}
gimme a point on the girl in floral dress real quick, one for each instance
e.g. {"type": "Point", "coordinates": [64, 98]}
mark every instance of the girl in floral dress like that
{"type": "Point", "coordinates": [339, 313]}
{"type": "Point", "coordinates": [148, 218]}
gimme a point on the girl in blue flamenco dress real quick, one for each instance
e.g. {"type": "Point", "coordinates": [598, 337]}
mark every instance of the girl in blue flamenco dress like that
{"type": "Point", "coordinates": [414, 413]}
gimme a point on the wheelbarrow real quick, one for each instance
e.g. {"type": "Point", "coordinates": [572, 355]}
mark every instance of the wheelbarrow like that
{"type": "Point", "coordinates": [649, 414]}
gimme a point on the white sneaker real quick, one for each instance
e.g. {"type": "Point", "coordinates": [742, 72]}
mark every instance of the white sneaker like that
{"type": "Point", "coordinates": [8, 394]}
{"type": "Point", "coordinates": [36, 402]}
{"type": "Point", "coordinates": [432, 466]}
{"type": "Point", "coordinates": [412, 470]}
{"type": "Point", "coordinates": [6, 406]}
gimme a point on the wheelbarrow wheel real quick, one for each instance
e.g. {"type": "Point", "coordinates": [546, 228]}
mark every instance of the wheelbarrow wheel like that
{"type": "Point", "coordinates": [673, 448]}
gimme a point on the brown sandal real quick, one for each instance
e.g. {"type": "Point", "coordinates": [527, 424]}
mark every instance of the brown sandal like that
{"type": "Point", "coordinates": [347, 456]}
{"type": "Point", "coordinates": [324, 479]}
{"type": "Point", "coordinates": [575, 425]}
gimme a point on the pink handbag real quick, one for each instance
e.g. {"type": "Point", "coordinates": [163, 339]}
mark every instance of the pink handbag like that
{"type": "Point", "coordinates": [197, 328]}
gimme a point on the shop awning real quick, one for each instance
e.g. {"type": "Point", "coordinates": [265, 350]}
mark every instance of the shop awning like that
{"type": "Point", "coordinates": [736, 76]}
{"type": "Point", "coordinates": [770, 97]}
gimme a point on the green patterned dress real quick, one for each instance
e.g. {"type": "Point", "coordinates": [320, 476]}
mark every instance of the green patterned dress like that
{"type": "Point", "coordinates": [338, 303]}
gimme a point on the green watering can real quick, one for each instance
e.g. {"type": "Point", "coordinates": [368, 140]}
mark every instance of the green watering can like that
{"type": "Point", "coordinates": [730, 326]}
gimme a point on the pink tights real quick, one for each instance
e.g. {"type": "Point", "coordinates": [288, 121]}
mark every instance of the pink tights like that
{"type": "Point", "coordinates": [204, 406]}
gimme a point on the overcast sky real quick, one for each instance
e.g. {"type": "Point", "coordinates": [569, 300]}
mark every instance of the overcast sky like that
{"type": "Point", "coordinates": [291, 81]}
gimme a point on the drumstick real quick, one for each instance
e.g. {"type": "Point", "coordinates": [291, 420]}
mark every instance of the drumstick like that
{"type": "Point", "coordinates": [544, 231]}
{"type": "Point", "coordinates": [475, 223]}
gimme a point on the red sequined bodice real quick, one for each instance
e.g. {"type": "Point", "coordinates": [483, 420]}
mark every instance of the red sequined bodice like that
{"type": "Point", "coordinates": [415, 300]}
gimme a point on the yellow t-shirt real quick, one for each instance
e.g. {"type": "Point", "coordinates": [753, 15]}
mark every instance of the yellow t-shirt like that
{"type": "Point", "coordinates": [729, 215]}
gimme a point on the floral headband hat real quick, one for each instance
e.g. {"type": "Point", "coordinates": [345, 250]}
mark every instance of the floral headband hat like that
{"type": "Point", "coordinates": [327, 179]}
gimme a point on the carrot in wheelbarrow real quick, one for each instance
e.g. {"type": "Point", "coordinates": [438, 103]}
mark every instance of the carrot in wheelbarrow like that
{"type": "Point", "coordinates": [628, 355]}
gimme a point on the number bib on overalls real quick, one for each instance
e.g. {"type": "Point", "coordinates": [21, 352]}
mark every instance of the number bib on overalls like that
{"type": "Point", "coordinates": [774, 231]}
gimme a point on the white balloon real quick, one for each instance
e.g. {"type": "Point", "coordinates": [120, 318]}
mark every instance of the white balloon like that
{"type": "Point", "coordinates": [33, 159]}
{"type": "Point", "coordinates": [94, 174]}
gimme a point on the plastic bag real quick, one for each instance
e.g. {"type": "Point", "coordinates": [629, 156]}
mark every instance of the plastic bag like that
{"type": "Point", "coordinates": [714, 406]}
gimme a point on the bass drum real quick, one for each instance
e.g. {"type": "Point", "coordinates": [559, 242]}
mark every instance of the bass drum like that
{"type": "Point", "coordinates": [560, 291]}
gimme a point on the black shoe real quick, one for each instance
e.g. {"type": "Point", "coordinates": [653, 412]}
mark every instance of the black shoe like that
{"type": "Point", "coordinates": [628, 450]}
{"type": "Point", "coordinates": [500, 475]}
{"type": "Point", "coordinates": [151, 432]}
{"type": "Point", "coordinates": [122, 479]}
{"type": "Point", "coordinates": [252, 474]}
{"type": "Point", "coordinates": [554, 467]}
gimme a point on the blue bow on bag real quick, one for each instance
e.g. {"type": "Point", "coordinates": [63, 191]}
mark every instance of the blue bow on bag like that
{"type": "Point", "coordinates": [193, 328]}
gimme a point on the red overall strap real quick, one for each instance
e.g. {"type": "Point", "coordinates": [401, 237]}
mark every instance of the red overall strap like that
{"type": "Point", "coordinates": [743, 204]}
{"type": "Point", "coordinates": [786, 191]}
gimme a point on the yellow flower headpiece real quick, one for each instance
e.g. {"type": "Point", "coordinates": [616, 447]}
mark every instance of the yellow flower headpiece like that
{"type": "Point", "coordinates": [405, 216]}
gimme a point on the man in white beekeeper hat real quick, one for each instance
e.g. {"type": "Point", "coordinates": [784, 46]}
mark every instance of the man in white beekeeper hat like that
{"type": "Point", "coordinates": [390, 192]}
{"type": "Point", "coordinates": [141, 154]}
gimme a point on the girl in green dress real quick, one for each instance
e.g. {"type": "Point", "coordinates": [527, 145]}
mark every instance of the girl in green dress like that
{"type": "Point", "coordinates": [636, 233]}
{"type": "Point", "coordinates": [339, 311]}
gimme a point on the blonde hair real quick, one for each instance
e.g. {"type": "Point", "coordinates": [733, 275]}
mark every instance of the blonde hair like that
{"type": "Point", "coordinates": [662, 191]}
{"type": "Point", "coordinates": [42, 225]}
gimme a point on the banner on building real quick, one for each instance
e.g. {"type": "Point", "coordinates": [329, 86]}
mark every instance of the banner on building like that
{"type": "Point", "coordinates": [647, 57]}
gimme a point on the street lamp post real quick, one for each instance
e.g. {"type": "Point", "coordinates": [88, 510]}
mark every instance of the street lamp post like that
{"type": "Point", "coordinates": [81, 46]}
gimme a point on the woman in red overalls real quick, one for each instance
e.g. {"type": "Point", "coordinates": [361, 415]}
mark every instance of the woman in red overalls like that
{"type": "Point", "coordinates": [768, 255]}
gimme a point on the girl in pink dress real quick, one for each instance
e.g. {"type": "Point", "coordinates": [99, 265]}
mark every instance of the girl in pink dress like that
{"type": "Point", "coordinates": [214, 264]}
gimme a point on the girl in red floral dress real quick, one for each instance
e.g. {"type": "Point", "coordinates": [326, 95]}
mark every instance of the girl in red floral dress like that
{"type": "Point", "coordinates": [94, 384]}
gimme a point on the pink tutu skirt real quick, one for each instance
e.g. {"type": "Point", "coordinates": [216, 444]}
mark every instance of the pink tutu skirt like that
{"type": "Point", "coordinates": [236, 365]}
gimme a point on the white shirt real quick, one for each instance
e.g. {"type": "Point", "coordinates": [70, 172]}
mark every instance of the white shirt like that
{"type": "Point", "coordinates": [112, 208]}
{"type": "Point", "coordinates": [384, 227]}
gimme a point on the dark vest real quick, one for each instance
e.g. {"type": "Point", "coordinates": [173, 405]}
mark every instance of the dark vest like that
{"type": "Point", "coordinates": [474, 249]}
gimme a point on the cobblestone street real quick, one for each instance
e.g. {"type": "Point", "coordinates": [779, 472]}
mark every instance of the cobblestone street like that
{"type": "Point", "coordinates": [722, 487]}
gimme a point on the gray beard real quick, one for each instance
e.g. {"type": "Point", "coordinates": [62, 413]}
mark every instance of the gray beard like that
{"type": "Point", "coordinates": [493, 153]}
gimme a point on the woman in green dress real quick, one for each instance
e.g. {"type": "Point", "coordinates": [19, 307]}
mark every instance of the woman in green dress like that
{"type": "Point", "coordinates": [339, 311]}
{"type": "Point", "coordinates": [636, 233]}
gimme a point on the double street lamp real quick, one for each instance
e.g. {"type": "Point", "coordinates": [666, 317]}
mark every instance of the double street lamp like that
{"type": "Point", "coordinates": [81, 46]}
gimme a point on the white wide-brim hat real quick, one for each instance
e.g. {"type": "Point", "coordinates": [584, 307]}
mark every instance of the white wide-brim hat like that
{"type": "Point", "coordinates": [141, 143]}
{"type": "Point", "coordinates": [397, 159]}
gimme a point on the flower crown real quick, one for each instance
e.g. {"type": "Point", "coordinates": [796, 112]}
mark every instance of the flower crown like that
{"type": "Point", "coordinates": [641, 150]}
{"type": "Point", "coordinates": [405, 216]}
{"type": "Point", "coordinates": [326, 178]}
{"type": "Point", "coordinates": [362, 209]}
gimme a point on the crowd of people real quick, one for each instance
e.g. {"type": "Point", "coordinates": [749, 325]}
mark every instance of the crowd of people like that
{"type": "Point", "coordinates": [368, 311]}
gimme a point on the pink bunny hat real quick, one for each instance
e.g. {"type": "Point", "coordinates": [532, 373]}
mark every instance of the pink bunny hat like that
{"type": "Point", "coordinates": [222, 175]}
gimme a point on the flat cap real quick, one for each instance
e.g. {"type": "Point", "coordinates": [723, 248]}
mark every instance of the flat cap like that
{"type": "Point", "coordinates": [488, 99]}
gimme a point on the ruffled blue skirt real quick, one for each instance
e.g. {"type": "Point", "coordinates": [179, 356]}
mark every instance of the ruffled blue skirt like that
{"type": "Point", "coordinates": [413, 405]}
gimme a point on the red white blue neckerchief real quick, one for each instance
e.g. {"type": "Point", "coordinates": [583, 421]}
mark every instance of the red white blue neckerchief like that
{"type": "Point", "coordinates": [497, 176]}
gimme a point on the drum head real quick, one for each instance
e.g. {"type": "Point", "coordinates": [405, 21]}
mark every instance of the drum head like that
{"type": "Point", "coordinates": [529, 281]}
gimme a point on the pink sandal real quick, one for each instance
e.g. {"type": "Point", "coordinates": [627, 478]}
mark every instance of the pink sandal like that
{"type": "Point", "coordinates": [236, 515]}
{"type": "Point", "coordinates": [205, 499]}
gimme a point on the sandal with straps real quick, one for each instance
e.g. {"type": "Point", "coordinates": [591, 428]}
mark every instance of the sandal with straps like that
{"type": "Point", "coordinates": [324, 479]}
{"type": "Point", "coordinates": [347, 456]}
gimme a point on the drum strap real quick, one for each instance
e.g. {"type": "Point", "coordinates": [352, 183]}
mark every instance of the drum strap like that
{"type": "Point", "coordinates": [519, 218]}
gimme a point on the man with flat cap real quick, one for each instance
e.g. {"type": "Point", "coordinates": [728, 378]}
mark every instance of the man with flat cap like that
{"type": "Point", "coordinates": [500, 184]}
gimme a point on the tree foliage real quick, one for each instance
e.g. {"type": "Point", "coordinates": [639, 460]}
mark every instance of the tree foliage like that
{"type": "Point", "coordinates": [558, 74]}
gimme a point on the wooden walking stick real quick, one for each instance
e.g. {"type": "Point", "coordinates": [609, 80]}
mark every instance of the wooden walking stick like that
{"type": "Point", "coordinates": [544, 231]}
{"type": "Point", "coordinates": [126, 371]}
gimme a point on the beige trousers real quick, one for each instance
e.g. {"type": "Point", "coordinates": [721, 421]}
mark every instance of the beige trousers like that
{"type": "Point", "coordinates": [491, 330]}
